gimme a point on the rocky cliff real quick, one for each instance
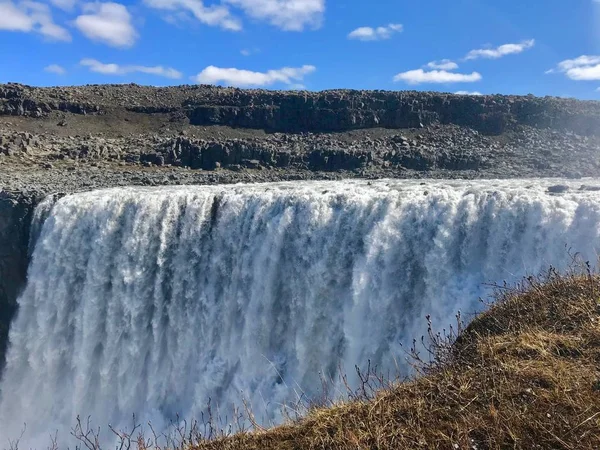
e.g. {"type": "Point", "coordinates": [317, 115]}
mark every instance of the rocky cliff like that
{"type": "Point", "coordinates": [302, 111]}
{"type": "Point", "coordinates": [16, 212]}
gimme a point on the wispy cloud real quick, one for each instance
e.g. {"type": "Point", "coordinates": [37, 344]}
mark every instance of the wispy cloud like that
{"type": "Point", "coordinates": [586, 73]}
{"type": "Point", "coordinates": [375, 34]}
{"type": "Point", "coordinates": [108, 23]}
{"type": "Point", "coordinates": [116, 69]}
{"type": "Point", "coordinates": [249, 51]}
{"type": "Point", "coordinates": [444, 64]}
{"type": "Point", "coordinates": [291, 76]}
{"type": "Point", "coordinates": [581, 61]}
{"type": "Point", "coordinates": [468, 93]}
{"type": "Point", "coordinates": [66, 5]}
{"type": "Point", "coordinates": [499, 52]}
{"type": "Point", "coordinates": [419, 76]}
{"type": "Point", "coordinates": [30, 16]}
{"type": "Point", "coordinates": [56, 69]}
{"type": "Point", "coordinates": [215, 15]}
{"type": "Point", "coordinates": [582, 68]}
{"type": "Point", "coordinates": [289, 15]}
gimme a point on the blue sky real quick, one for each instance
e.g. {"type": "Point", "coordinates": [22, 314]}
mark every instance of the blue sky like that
{"type": "Point", "coordinates": [543, 47]}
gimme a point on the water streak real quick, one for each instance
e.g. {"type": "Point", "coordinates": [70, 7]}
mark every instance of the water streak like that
{"type": "Point", "coordinates": [153, 300]}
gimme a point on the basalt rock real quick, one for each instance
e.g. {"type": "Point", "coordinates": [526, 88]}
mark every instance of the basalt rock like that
{"type": "Point", "coordinates": [16, 211]}
{"type": "Point", "coordinates": [302, 111]}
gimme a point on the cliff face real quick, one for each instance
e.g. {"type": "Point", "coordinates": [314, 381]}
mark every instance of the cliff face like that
{"type": "Point", "coordinates": [348, 110]}
{"type": "Point", "coordinates": [16, 212]}
{"type": "Point", "coordinates": [292, 112]}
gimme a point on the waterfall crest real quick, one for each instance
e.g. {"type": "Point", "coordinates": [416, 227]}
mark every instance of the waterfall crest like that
{"type": "Point", "coordinates": [154, 300]}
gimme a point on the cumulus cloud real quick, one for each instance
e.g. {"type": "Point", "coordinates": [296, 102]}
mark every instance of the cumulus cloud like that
{"type": "Point", "coordinates": [499, 52]}
{"type": "Point", "coordinates": [291, 76]}
{"type": "Point", "coordinates": [375, 34]}
{"type": "Point", "coordinates": [581, 61]}
{"type": "Point", "coordinates": [289, 15]}
{"type": "Point", "coordinates": [30, 16]}
{"type": "Point", "coordinates": [208, 15]}
{"type": "Point", "coordinates": [14, 19]}
{"type": "Point", "coordinates": [108, 23]}
{"type": "Point", "coordinates": [116, 69]}
{"type": "Point", "coordinates": [56, 69]}
{"type": "Point", "coordinates": [582, 68]}
{"type": "Point", "coordinates": [586, 73]}
{"type": "Point", "coordinates": [468, 93]}
{"type": "Point", "coordinates": [420, 76]}
{"type": "Point", "coordinates": [444, 64]}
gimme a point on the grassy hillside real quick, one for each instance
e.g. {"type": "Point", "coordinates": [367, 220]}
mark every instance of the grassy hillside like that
{"type": "Point", "coordinates": [525, 375]}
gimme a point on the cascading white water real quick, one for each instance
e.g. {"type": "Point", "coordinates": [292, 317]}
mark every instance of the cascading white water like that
{"type": "Point", "coordinates": [154, 300]}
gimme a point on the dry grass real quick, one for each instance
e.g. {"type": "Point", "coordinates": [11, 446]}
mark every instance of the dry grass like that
{"type": "Point", "coordinates": [523, 375]}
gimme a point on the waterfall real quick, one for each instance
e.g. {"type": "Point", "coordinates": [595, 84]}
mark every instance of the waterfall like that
{"type": "Point", "coordinates": [154, 300]}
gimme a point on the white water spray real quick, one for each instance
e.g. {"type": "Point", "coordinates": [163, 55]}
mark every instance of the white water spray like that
{"type": "Point", "coordinates": [153, 301]}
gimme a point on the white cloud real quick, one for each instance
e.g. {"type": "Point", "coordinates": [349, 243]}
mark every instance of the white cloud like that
{"type": "Point", "coordinates": [66, 5]}
{"type": "Point", "coordinates": [587, 73]}
{"type": "Point", "coordinates": [30, 16]}
{"type": "Point", "coordinates": [249, 51]}
{"type": "Point", "coordinates": [208, 15]}
{"type": "Point", "coordinates": [109, 23]}
{"type": "Point", "coordinates": [41, 15]}
{"type": "Point", "coordinates": [436, 76]}
{"type": "Point", "coordinates": [289, 15]}
{"type": "Point", "coordinates": [444, 64]}
{"type": "Point", "coordinates": [468, 93]}
{"type": "Point", "coordinates": [375, 34]}
{"type": "Point", "coordinates": [291, 76]}
{"type": "Point", "coordinates": [499, 52]}
{"type": "Point", "coordinates": [116, 69]}
{"type": "Point", "coordinates": [581, 61]}
{"type": "Point", "coordinates": [56, 69]}
{"type": "Point", "coordinates": [583, 68]}
{"type": "Point", "coordinates": [293, 15]}
{"type": "Point", "coordinates": [14, 19]}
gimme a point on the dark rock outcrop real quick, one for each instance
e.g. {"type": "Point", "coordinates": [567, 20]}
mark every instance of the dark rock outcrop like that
{"type": "Point", "coordinates": [16, 212]}
{"type": "Point", "coordinates": [294, 112]}
{"type": "Point", "coordinates": [347, 110]}
{"type": "Point", "coordinates": [18, 100]}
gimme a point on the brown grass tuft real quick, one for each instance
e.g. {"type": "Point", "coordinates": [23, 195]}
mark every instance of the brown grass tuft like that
{"type": "Point", "coordinates": [523, 375]}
